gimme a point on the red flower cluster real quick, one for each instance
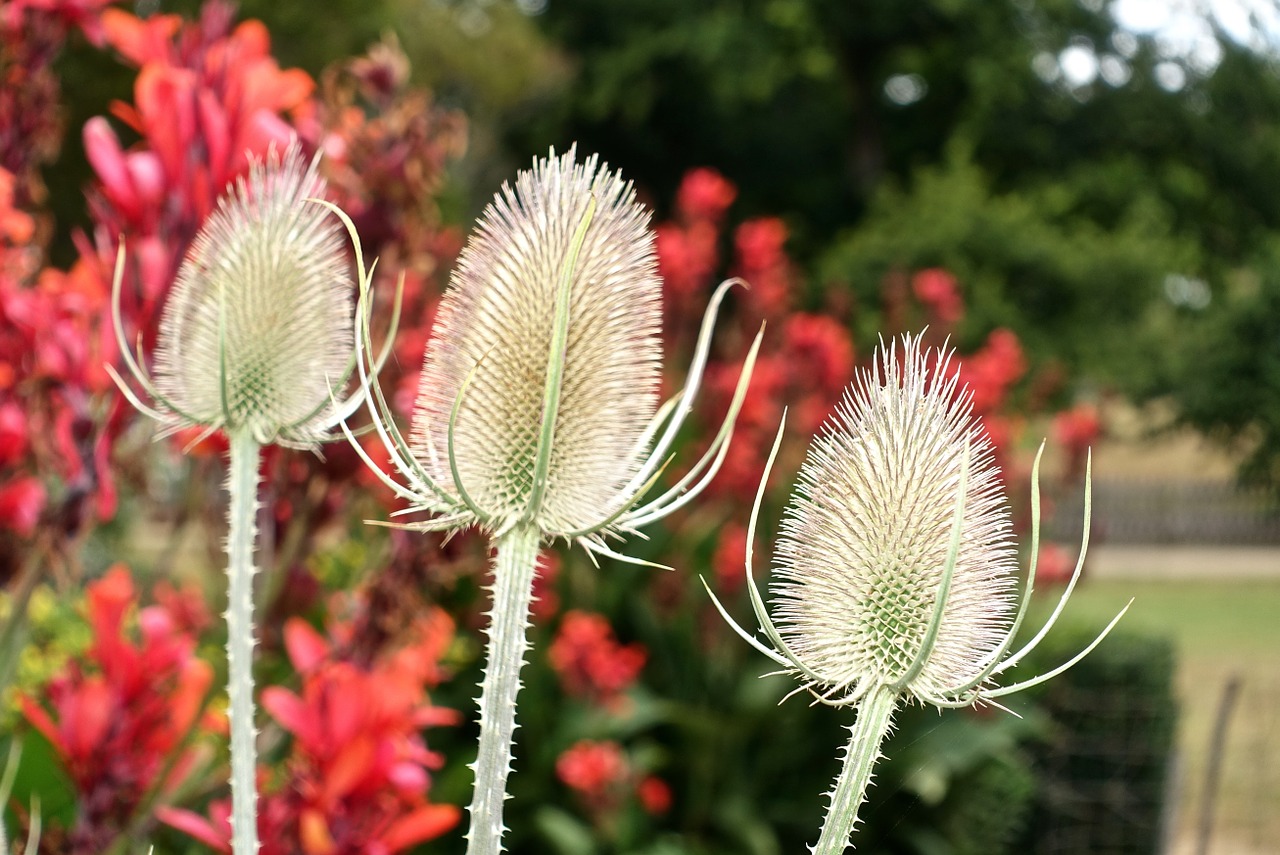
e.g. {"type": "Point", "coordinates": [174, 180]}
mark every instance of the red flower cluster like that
{"type": "Point", "coordinates": [804, 369]}
{"type": "Point", "coordinates": [32, 33]}
{"type": "Point", "coordinates": [117, 717]}
{"type": "Point", "coordinates": [688, 247]}
{"type": "Point", "coordinates": [50, 364]}
{"type": "Point", "coordinates": [589, 660]}
{"type": "Point", "coordinates": [1076, 430]}
{"type": "Point", "coordinates": [358, 772]}
{"type": "Point", "coordinates": [762, 261]}
{"type": "Point", "coordinates": [602, 776]}
{"type": "Point", "coordinates": [546, 602]}
{"type": "Point", "coordinates": [992, 372]}
{"type": "Point", "coordinates": [207, 97]}
{"type": "Point", "coordinates": [729, 560]}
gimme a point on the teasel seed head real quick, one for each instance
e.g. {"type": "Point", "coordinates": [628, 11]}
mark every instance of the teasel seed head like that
{"type": "Point", "coordinates": [895, 567]}
{"type": "Point", "coordinates": [538, 400]}
{"type": "Point", "coordinates": [256, 333]}
{"type": "Point", "coordinates": [494, 326]}
{"type": "Point", "coordinates": [866, 534]}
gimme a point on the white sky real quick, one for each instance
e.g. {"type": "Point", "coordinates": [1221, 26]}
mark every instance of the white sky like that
{"type": "Point", "coordinates": [1186, 35]}
{"type": "Point", "coordinates": [1182, 27]}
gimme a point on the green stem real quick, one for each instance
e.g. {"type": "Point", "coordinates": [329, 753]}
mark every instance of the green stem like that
{"type": "Point", "coordinates": [875, 720]}
{"type": "Point", "coordinates": [14, 635]}
{"type": "Point", "coordinates": [514, 567]}
{"type": "Point", "coordinates": [242, 485]}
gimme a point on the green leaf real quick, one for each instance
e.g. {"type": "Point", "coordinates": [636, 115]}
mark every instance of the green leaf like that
{"type": "Point", "coordinates": [40, 773]}
{"type": "Point", "coordinates": [566, 834]}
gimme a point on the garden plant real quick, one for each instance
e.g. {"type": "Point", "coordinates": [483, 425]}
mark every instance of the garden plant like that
{"type": "Point", "coordinates": [427, 441]}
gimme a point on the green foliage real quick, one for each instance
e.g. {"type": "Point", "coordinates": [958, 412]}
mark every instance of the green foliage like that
{"type": "Point", "coordinates": [1225, 374]}
{"type": "Point", "coordinates": [1032, 261]}
{"type": "Point", "coordinates": [1060, 207]}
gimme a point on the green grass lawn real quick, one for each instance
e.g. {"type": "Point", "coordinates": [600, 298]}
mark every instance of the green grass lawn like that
{"type": "Point", "coordinates": [1219, 629]}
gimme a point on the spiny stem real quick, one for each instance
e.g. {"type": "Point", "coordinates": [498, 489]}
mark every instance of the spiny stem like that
{"type": "Point", "coordinates": [875, 720]}
{"type": "Point", "coordinates": [242, 485]}
{"type": "Point", "coordinates": [514, 567]}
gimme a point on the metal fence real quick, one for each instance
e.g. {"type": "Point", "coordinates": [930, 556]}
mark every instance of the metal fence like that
{"type": "Point", "coordinates": [1167, 512]}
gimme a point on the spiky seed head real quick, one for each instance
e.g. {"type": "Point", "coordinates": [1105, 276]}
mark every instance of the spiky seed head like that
{"type": "Point", "coordinates": [258, 326]}
{"type": "Point", "coordinates": [495, 326]}
{"type": "Point", "coordinates": [866, 534]}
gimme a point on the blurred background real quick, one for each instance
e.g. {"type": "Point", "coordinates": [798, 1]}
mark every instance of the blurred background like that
{"type": "Point", "coordinates": [1081, 196]}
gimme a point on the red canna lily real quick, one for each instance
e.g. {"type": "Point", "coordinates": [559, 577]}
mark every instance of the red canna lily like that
{"type": "Point", "coordinates": [116, 716]}
{"type": "Point", "coordinates": [359, 771]}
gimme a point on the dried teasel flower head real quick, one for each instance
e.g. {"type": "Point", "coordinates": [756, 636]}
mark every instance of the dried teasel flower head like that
{"type": "Point", "coordinates": [256, 333]}
{"type": "Point", "coordinates": [895, 567]}
{"type": "Point", "coordinates": [538, 400]}
{"type": "Point", "coordinates": [894, 575]}
{"type": "Point", "coordinates": [492, 333]}
{"type": "Point", "coordinates": [866, 535]}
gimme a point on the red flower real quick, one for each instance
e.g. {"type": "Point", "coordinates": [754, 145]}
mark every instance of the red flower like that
{"type": "Point", "coordinates": [207, 97]}
{"type": "Point", "coordinates": [358, 769]}
{"type": "Point", "coordinates": [654, 794]}
{"type": "Point", "coordinates": [119, 715]}
{"type": "Point", "coordinates": [15, 226]}
{"type": "Point", "coordinates": [1075, 430]}
{"type": "Point", "coordinates": [1054, 566]}
{"type": "Point", "coordinates": [589, 659]}
{"type": "Point", "coordinates": [545, 600]}
{"type": "Point", "coordinates": [729, 561]}
{"type": "Point", "coordinates": [704, 194]}
{"type": "Point", "coordinates": [820, 353]}
{"type": "Point", "coordinates": [687, 259]}
{"type": "Point", "coordinates": [21, 501]}
{"type": "Point", "coordinates": [992, 371]}
{"type": "Point", "coordinates": [13, 433]}
{"type": "Point", "coordinates": [593, 769]}
{"type": "Point", "coordinates": [762, 261]}
{"type": "Point", "coordinates": [1078, 427]}
{"type": "Point", "coordinates": [938, 290]}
